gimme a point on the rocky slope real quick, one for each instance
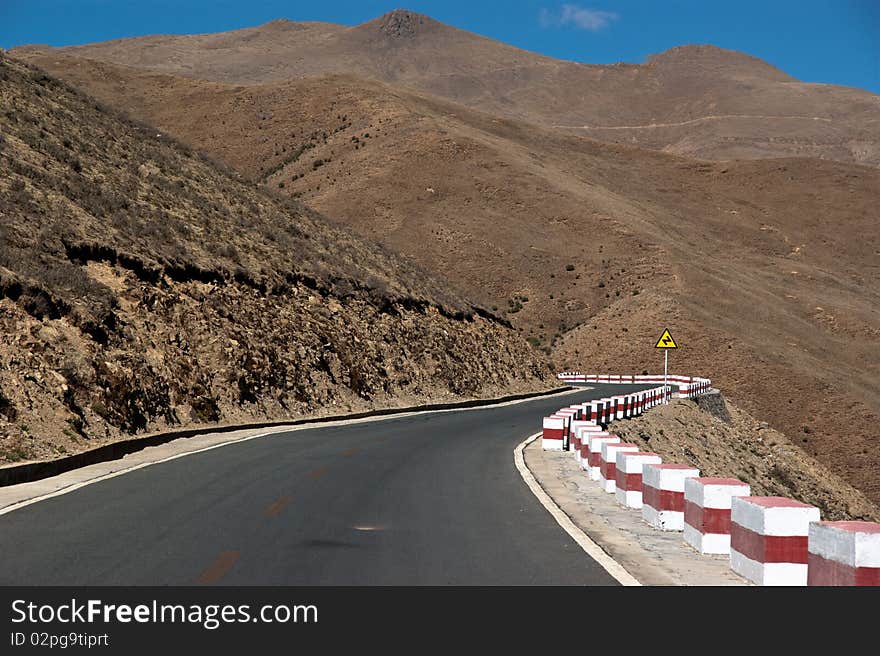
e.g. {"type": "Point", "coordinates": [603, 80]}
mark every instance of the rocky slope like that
{"type": "Point", "coordinates": [142, 288]}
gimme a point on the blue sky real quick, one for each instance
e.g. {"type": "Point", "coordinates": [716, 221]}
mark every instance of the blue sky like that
{"type": "Point", "coordinates": [836, 41]}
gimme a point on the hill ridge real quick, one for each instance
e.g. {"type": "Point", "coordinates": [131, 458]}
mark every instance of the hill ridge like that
{"type": "Point", "coordinates": [673, 88]}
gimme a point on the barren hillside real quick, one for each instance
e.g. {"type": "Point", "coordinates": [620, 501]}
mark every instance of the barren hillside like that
{"type": "Point", "coordinates": [143, 288]}
{"type": "Point", "coordinates": [767, 270]}
{"type": "Point", "coordinates": [697, 99]}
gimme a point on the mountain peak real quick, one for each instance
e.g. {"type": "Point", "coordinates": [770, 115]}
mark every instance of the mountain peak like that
{"type": "Point", "coordinates": [403, 23]}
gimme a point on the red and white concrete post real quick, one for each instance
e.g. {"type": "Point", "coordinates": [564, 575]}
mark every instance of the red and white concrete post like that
{"type": "Point", "coordinates": [594, 463]}
{"type": "Point", "coordinates": [628, 483]}
{"type": "Point", "coordinates": [843, 553]}
{"type": "Point", "coordinates": [584, 459]}
{"type": "Point", "coordinates": [581, 430]}
{"type": "Point", "coordinates": [768, 539]}
{"type": "Point", "coordinates": [608, 468]}
{"type": "Point", "coordinates": [663, 495]}
{"type": "Point", "coordinates": [707, 512]}
{"type": "Point", "coordinates": [553, 429]}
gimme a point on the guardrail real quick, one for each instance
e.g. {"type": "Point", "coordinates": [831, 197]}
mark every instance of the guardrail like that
{"type": "Point", "coordinates": [688, 386]}
{"type": "Point", "coordinates": [769, 540]}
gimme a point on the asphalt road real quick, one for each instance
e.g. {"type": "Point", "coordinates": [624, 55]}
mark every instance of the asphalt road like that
{"type": "Point", "coordinates": [431, 499]}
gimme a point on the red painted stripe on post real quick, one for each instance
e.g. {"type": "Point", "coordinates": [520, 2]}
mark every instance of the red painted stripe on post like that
{"type": "Point", "coordinates": [609, 471]}
{"type": "Point", "coordinates": [628, 482]}
{"type": "Point", "coordinates": [707, 520]}
{"type": "Point", "coordinates": [768, 548]}
{"type": "Point", "coordinates": [662, 499]}
{"type": "Point", "coordinates": [821, 571]}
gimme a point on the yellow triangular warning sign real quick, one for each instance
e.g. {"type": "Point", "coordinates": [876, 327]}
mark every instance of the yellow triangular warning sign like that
{"type": "Point", "coordinates": [666, 341]}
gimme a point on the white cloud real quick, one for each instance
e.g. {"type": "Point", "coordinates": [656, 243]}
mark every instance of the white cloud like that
{"type": "Point", "coordinates": [576, 16]}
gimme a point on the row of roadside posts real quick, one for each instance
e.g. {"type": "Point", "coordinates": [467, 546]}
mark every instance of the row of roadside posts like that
{"type": "Point", "coordinates": [626, 408]}
{"type": "Point", "coordinates": [666, 343]}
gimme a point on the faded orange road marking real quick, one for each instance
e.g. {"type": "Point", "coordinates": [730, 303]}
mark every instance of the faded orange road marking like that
{"type": "Point", "coordinates": [219, 567]}
{"type": "Point", "coordinates": [317, 473]}
{"type": "Point", "coordinates": [348, 453]}
{"type": "Point", "coordinates": [274, 509]}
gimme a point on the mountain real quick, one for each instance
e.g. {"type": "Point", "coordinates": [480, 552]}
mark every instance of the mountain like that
{"type": "Point", "coordinates": [447, 147]}
{"type": "Point", "coordinates": [698, 99]}
{"type": "Point", "coordinates": [142, 288]}
{"type": "Point", "coordinates": [765, 270]}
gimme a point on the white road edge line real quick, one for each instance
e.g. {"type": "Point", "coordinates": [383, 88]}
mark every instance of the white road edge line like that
{"type": "Point", "coordinates": [583, 540]}
{"type": "Point", "coordinates": [277, 429]}
{"type": "Point", "coordinates": [104, 477]}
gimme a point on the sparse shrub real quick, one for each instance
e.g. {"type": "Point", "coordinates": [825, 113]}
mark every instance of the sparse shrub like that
{"type": "Point", "coordinates": [7, 408]}
{"type": "Point", "coordinates": [569, 267]}
{"type": "Point", "coordinates": [100, 409]}
{"type": "Point", "coordinates": [16, 453]}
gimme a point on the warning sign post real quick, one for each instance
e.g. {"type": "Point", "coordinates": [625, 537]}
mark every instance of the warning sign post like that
{"type": "Point", "coordinates": [666, 343]}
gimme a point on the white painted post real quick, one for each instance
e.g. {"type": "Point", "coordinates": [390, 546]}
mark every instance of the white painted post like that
{"type": "Point", "coordinates": [665, 376]}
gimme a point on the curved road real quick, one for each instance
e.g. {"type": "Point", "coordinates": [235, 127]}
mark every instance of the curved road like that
{"type": "Point", "coordinates": [429, 499]}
